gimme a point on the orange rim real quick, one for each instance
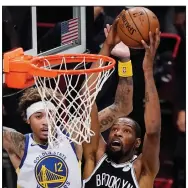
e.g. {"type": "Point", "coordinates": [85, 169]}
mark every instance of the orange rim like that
{"type": "Point", "coordinates": [70, 58]}
{"type": "Point", "coordinates": [19, 69]}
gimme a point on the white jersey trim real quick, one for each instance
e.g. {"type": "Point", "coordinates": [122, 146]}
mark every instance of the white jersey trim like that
{"type": "Point", "coordinates": [134, 177]}
{"type": "Point", "coordinates": [27, 139]}
{"type": "Point", "coordinates": [123, 164]}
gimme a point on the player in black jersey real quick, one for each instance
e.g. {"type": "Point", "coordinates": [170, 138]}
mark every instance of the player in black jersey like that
{"type": "Point", "coordinates": [114, 164]}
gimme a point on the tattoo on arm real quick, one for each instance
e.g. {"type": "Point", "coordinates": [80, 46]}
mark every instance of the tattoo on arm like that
{"type": "Point", "coordinates": [107, 117]}
{"type": "Point", "coordinates": [126, 80]}
{"type": "Point", "coordinates": [113, 109]}
{"type": "Point", "coordinates": [105, 121]}
{"type": "Point", "coordinates": [152, 114]}
{"type": "Point", "coordinates": [147, 97]}
{"type": "Point", "coordinates": [16, 141]}
{"type": "Point", "coordinates": [122, 104]}
{"type": "Point", "coordinates": [124, 93]}
{"type": "Point", "coordinates": [150, 91]}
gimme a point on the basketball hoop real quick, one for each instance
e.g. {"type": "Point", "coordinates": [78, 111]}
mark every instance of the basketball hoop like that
{"type": "Point", "coordinates": [72, 115]}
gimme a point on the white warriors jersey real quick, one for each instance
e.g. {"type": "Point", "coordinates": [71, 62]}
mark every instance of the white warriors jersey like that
{"type": "Point", "coordinates": [44, 168]}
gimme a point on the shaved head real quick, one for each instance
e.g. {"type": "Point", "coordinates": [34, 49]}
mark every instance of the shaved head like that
{"type": "Point", "coordinates": [129, 122]}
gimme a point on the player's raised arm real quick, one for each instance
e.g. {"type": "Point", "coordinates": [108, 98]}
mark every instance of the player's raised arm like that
{"type": "Point", "coordinates": [106, 49]}
{"type": "Point", "coordinates": [90, 149]}
{"type": "Point", "coordinates": [152, 116]}
{"type": "Point", "coordinates": [123, 103]}
{"type": "Point", "coordinates": [13, 142]}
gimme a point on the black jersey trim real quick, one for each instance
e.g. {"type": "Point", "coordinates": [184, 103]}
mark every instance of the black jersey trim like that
{"type": "Point", "coordinates": [96, 168]}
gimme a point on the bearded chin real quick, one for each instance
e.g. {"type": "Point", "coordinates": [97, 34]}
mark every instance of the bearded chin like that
{"type": "Point", "coordinates": [114, 155]}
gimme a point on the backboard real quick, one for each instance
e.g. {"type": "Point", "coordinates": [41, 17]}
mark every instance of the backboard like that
{"type": "Point", "coordinates": [70, 21]}
{"type": "Point", "coordinates": [30, 28]}
{"type": "Point", "coordinates": [45, 26]}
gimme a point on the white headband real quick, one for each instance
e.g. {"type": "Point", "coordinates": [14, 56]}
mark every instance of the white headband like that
{"type": "Point", "coordinates": [39, 106]}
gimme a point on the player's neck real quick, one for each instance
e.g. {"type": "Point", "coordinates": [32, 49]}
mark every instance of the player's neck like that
{"type": "Point", "coordinates": [126, 158]}
{"type": "Point", "coordinates": [38, 140]}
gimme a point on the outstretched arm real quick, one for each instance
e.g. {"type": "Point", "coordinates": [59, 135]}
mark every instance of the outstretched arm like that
{"type": "Point", "coordinates": [110, 42]}
{"type": "Point", "coordinates": [123, 103]}
{"type": "Point", "coordinates": [152, 115]}
{"type": "Point", "coordinates": [122, 106]}
{"type": "Point", "coordinates": [13, 142]}
{"type": "Point", "coordinates": [90, 149]}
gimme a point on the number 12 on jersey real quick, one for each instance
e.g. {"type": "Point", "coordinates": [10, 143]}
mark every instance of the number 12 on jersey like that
{"type": "Point", "coordinates": [58, 167]}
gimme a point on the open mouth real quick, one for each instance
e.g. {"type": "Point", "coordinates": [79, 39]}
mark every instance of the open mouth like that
{"type": "Point", "coordinates": [44, 131]}
{"type": "Point", "coordinates": [116, 143]}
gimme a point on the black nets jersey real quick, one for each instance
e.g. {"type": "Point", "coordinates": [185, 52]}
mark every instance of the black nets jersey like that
{"type": "Point", "coordinates": [108, 174]}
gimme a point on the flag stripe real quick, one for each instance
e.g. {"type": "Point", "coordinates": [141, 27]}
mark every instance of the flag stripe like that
{"type": "Point", "coordinates": [73, 27]}
{"type": "Point", "coordinates": [73, 35]}
{"type": "Point", "coordinates": [72, 31]}
{"type": "Point", "coordinates": [74, 22]}
{"type": "Point", "coordinates": [69, 38]}
{"type": "Point", "coordinates": [69, 31]}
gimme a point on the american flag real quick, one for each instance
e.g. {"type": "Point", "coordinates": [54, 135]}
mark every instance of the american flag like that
{"type": "Point", "coordinates": [69, 31]}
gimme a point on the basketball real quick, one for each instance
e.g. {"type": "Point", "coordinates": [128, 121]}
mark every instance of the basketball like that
{"type": "Point", "coordinates": [134, 25]}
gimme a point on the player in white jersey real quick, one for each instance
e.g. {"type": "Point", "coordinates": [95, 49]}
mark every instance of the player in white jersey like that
{"type": "Point", "coordinates": [37, 166]}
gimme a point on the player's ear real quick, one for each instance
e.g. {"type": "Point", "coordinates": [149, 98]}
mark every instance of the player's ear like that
{"type": "Point", "coordinates": [28, 121]}
{"type": "Point", "coordinates": [138, 142]}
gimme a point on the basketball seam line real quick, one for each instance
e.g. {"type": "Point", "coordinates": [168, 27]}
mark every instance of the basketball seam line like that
{"type": "Point", "coordinates": [136, 26]}
{"type": "Point", "coordinates": [129, 36]}
{"type": "Point", "coordinates": [148, 20]}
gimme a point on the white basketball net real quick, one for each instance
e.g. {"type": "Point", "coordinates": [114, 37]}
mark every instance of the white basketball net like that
{"type": "Point", "coordinates": [72, 114]}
